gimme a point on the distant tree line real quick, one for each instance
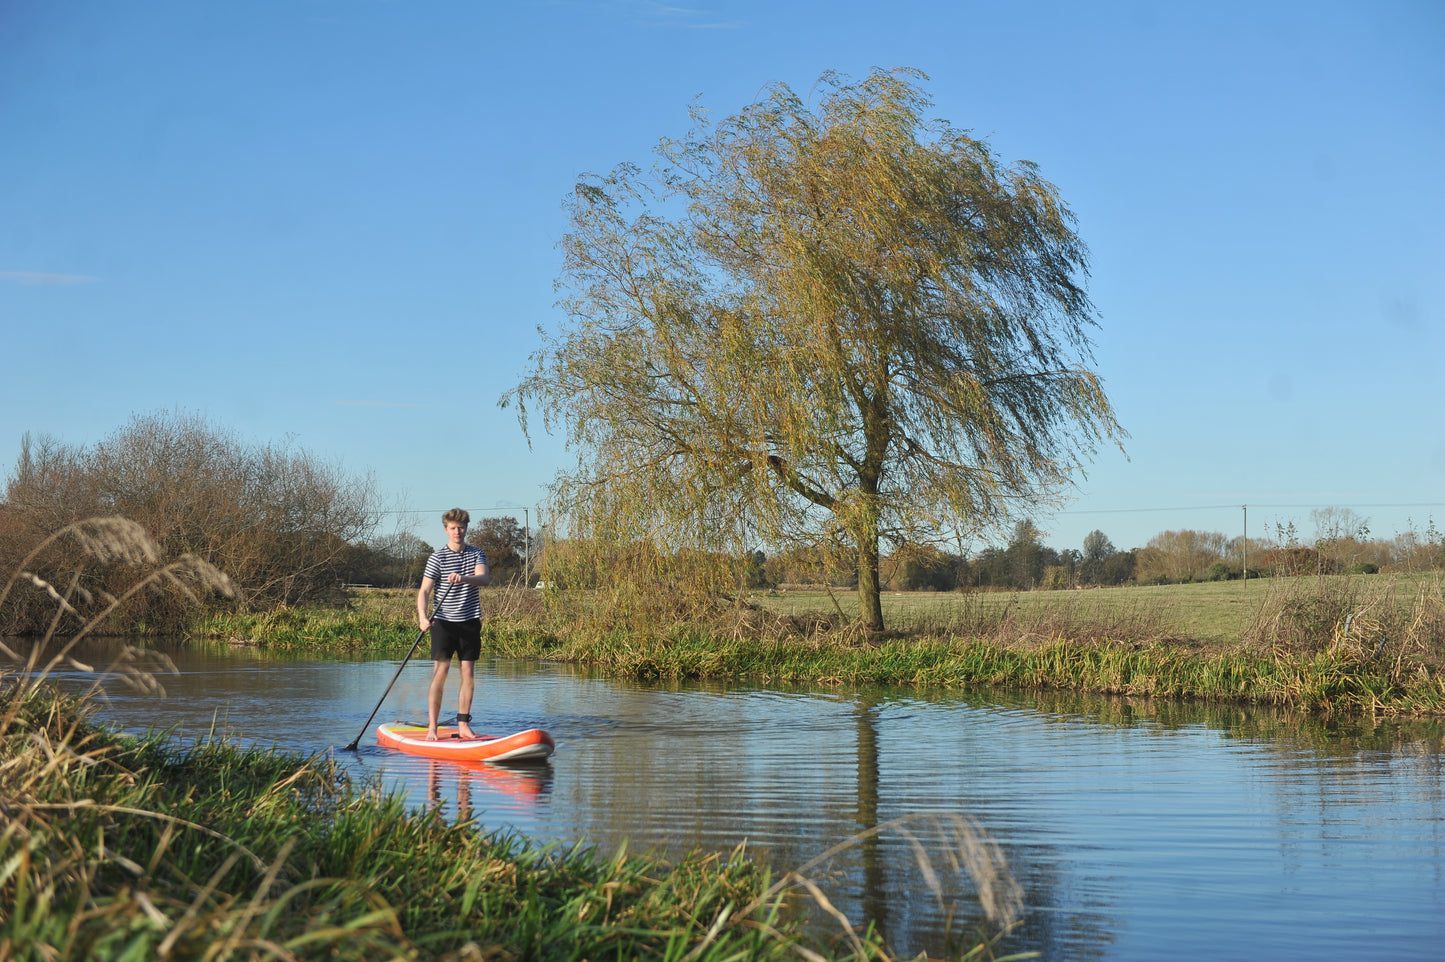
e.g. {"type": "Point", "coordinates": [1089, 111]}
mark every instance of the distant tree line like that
{"type": "Point", "coordinates": [1341, 545]}
{"type": "Point", "coordinates": [1023, 564]}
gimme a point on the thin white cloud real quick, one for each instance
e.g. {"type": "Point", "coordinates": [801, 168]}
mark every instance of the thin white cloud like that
{"type": "Point", "coordinates": [686, 18]}
{"type": "Point", "coordinates": [43, 279]}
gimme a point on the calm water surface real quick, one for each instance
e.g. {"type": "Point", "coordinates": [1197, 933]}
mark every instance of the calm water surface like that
{"type": "Point", "coordinates": [1136, 830]}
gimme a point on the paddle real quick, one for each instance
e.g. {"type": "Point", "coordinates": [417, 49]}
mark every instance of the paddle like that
{"type": "Point", "coordinates": [419, 634]}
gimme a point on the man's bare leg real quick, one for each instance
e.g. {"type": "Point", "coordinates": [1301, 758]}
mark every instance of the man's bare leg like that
{"type": "Point", "coordinates": [464, 698]}
{"type": "Point", "coordinates": [434, 696]}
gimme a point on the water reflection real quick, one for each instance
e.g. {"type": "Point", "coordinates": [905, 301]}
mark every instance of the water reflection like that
{"type": "Point", "coordinates": [1138, 829]}
{"type": "Point", "coordinates": [449, 784]}
{"type": "Point", "coordinates": [872, 878]}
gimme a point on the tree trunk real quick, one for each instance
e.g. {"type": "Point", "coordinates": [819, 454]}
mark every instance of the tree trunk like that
{"type": "Point", "coordinates": [870, 604]}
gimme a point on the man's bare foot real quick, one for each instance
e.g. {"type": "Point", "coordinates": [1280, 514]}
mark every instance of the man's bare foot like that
{"type": "Point", "coordinates": [431, 734]}
{"type": "Point", "coordinates": [465, 731]}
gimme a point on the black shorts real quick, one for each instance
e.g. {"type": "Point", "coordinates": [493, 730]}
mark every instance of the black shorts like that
{"type": "Point", "coordinates": [460, 638]}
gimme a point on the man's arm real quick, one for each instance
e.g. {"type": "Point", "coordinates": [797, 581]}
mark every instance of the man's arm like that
{"type": "Point", "coordinates": [422, 620]}
{"type": "Point", "coordinates": [479, 578]}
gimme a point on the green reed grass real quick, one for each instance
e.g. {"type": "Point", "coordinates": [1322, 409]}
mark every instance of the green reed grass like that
{"type": "Point", "coordinates": [1319, 682]}
{"type": "Point", "coordinates": [366, 620]}
{"type": "Point", "coordinates": [338, 629]}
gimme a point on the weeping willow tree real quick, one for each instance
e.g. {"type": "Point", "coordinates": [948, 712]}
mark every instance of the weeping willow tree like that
{"type": "Point", "coordinates": [828, 322]}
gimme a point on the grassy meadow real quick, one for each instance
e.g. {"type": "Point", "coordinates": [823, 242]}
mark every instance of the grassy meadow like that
{"type": "Point", "coordinates": [1216, 611]}
{"type": "Point", "coordinates": [1212, 612]}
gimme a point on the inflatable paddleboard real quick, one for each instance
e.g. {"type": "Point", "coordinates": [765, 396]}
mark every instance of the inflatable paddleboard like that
{"type": "Point", "coordinates": [531, 744]}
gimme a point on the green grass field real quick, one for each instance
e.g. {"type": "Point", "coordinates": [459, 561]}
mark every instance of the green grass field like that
{"type": "Point", "coordinates": [1214, 611]}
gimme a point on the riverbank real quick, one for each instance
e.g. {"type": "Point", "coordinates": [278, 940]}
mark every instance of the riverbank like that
{"type": "Point", "coordinates": [118, 848]}
{"type": "Point", "coordinates": [1321, 645]}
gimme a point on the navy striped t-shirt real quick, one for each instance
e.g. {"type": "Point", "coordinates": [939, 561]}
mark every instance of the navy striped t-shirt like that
{"type": "Point", "coordinates": [458, 602]}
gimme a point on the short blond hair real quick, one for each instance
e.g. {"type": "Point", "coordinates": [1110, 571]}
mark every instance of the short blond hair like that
{"type": "Point", "coordinates": [458, 515]}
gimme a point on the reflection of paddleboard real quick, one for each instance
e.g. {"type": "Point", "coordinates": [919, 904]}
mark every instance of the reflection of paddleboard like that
{"type": "Point", "coordinates": [532, 743]}
{"type": "Point", "coordinates": [509, 784]}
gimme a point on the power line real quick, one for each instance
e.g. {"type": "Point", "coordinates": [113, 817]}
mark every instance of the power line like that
{"type": "Point", "coordinates": [1236, 506]}
{"type": "Point", "coordinates": [441, 511]}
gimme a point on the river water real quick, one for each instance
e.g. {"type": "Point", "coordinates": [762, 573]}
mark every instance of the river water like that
{"type": "Point", "coordinates": [1135, 830]}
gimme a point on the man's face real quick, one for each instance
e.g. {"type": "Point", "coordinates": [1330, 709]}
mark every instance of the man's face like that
{"type": "Point", "coordinates": [456, 533]}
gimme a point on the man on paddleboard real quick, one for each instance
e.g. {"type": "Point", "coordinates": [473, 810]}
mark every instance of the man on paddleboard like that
{"type": "Point", "coordinates": [456, 628]}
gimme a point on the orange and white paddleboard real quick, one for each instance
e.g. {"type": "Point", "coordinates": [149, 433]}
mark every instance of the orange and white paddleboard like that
{"type": "Point", "coordinates": [531, 744]}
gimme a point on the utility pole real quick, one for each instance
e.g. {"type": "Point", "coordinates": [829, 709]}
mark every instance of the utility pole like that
{"type": "Point", "coordinates": [1244, 545]}
{"type": "Point", "coordinates": [527, 557]}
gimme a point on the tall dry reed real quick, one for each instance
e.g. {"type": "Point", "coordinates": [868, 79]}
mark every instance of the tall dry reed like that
{"type": "Point", "coordinates": [1360, 617]}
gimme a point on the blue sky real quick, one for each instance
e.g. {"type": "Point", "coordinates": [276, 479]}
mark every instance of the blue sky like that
{"type": "Point", "coordinates": [335, 222]}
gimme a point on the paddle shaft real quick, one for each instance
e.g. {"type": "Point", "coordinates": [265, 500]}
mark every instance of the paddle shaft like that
{"type": "Point", "coordinates": [419, 635]}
